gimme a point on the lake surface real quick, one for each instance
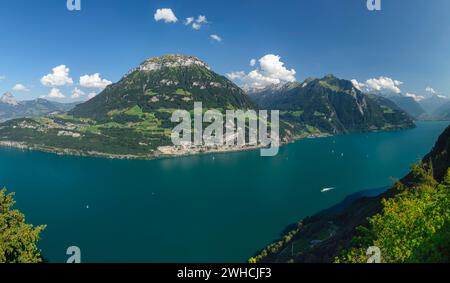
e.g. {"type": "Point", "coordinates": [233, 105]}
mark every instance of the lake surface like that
{"type": "Point", "coordinates": [209, 208]}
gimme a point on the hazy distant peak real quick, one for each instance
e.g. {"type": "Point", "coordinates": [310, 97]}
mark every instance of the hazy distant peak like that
{"type": "Point", "coordinates": [272, 88]}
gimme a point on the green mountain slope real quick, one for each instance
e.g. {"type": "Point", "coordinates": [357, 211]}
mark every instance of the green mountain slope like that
{"type": "Point", "coordinates": [131, 118]}
{"type": "Point", "coordinates": [168, 82]}
{"type": "Point", "coordinates": [409, 222]}
{"type": "Point", "coordinates": [332, 105]}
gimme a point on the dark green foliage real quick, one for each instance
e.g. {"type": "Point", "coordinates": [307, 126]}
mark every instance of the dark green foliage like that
{"type": "Point", "coordinates": [18, 240]}
{"type": "Point", "coordinates": [413, 226]}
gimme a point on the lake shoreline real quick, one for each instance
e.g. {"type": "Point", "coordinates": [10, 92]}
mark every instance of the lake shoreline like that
{"type": "Point", "coordinates": [154, 156]}
{"type": "Point", "coordinates": [157, 154]}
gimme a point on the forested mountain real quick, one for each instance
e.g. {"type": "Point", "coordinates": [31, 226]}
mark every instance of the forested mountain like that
{"type": "Point", "coordinates": [331, 105]}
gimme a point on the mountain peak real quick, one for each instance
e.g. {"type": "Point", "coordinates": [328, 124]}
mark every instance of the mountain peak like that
{"type": "Point", "coordinates": [170, 61]}
{"type": "Point", "coordinates": [334, 83]}
{"type": "Point", "coordinates": [330, 76]}
{"type": "Point", "coordinates": [8, 98]}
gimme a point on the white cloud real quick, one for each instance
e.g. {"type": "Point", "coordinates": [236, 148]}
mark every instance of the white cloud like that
{"type": "Point", "coordinates": [236, 75]}
{"type": "Point", "coordinates": [94, 81]}
{"type": "Point", "coordinates": [196, 23]}
{"type": "Point", "coordinates": [381, 85]}
{"type": "Point", "coordinates": [358, 85]}
{"type": "Point", "coordinates": [271, 70]}
{"type": "Point", "coordinates": [77, 93]}
{"type": "Point", "coordinates": [189, 21]}
{"type": "Point", "coordinates": [20, 87]}
{"type": "Point", "coordinates": [202, 20]}
{"type": "Point", "coordinates": [55, 93]}
{"type": "Point", "coordinates": [384, 84]}
{"type": "Point", "coordinates": [430, 90]}
{"type": "Point", "coordinates": [415, 96]}
{"type": "Point", "coordinates": [2, 77]}
{"type": "Point", "coordinates": [215, 37]}
{"type": "Point", "coordinates": [165, 15]}
{"type": "Point", "coordinates": [59, 77]}
{"type": "Point", "coordinates": [253, 62]}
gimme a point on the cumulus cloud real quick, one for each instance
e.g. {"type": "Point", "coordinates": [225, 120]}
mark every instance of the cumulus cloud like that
{"type": "Point", "coordinates": [20, 87]}
{"type": "Point", "coordinates": [381, 85]}
{"type": "Point", "coordinates": [58, 77]}
{"type": "Point", "coordinates": [384, 84]}
{"type": "Point", "coordinates": [55, 93]}
{"type": "Point", "coordinates": [271, 70]}
{"type": "Point", "coordinates": [253, 62]}
{"type": "Point", "coordinates": [94, 81]}
{"type": "Point", "coordinates": [196, 23]}
{"type": "Point", "coordinates": [415, 96]}
{"type": "Point", "coordinates": [430, 90]}
{"type": "Point", "coordinates": [215, 37]}
{"type": "Point", "coordinates": [189, 21]}
{"type": "Point", "coordinates": [166, 15]}
{"type": "Point", "coordinates": [358, 85]}
{"type": "Point", "coordinates": [236, 75]}
{"type": "Point", "coordinates": [202, 20]}
{"type": "Point", "coordinates": [77, 93]}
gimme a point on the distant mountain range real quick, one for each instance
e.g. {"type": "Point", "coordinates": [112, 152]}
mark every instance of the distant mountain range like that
{"type": "Point", "coordinates": [408, 104]}
{"type": "Point", "coordinates": [131, 118]}
{"type": "Point", "coordinates": [443, 111]}
{"type": "Point", "coordinates": [10, 108]}
{"type": "Point", "coordinates": [434, 107]}
{"type": "Point", "coordinates": [437, 107]}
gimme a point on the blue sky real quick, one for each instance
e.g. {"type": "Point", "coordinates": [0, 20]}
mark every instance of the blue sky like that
{"type": "Point", "coordinates": [407, 41]}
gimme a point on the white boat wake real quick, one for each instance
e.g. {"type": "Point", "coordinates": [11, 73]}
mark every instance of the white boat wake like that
{"type": "Point", "coordinates": [324, 190]}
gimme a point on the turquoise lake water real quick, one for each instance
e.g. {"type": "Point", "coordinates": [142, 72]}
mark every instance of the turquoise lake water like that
{"type": "Point", "coordinates": [209, 208]}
